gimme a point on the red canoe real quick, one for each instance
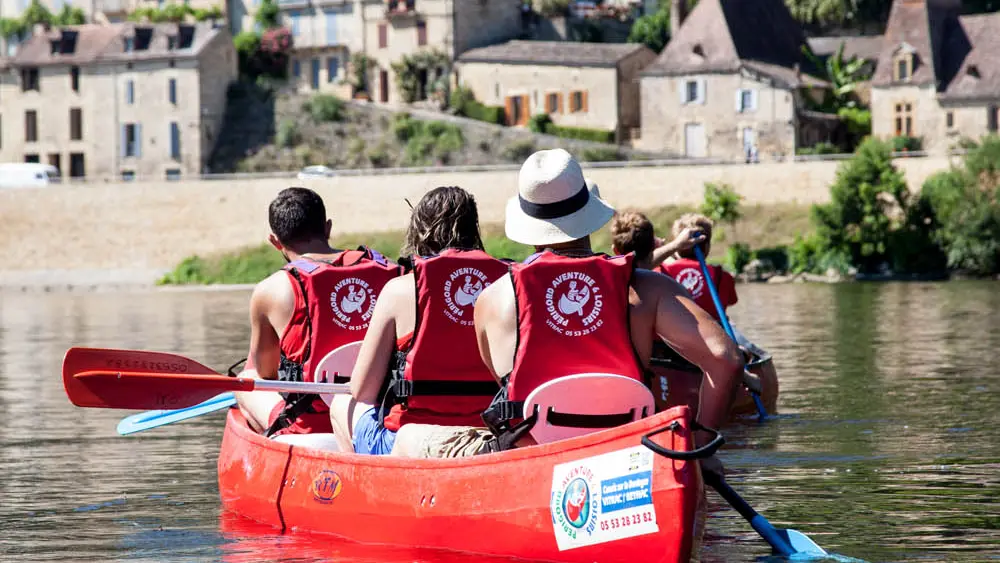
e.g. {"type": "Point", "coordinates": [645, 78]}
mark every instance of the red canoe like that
{"type": "Point", "coordinates": [602, 497]}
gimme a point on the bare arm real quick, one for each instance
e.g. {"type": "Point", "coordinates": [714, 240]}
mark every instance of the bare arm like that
{"type": "Point", "coordinates": [687, 239]}
{"type": "Point", "coordinates": [694, 334]}
{"type": "Point", "coordinates": [265, 350]}
{"type": "Point", "coordinates": [377, 348]}
{"type": "Point", "coordinates": [481, 314]}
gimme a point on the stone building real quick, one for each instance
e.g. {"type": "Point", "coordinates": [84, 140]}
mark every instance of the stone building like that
{"type": "Point", "coordinates": [938, 74]}
{"type": "Point", "coordinates": [117, 100]}
{"type": "Point", "coordinates": [591, 85]}
{"type": "Point", "coordinates": [732, 82]}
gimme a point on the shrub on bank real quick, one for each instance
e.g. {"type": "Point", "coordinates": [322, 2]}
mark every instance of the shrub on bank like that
{"type": "Point", "coordinates": [464, 103]}
{"type": "Point", "coordinates": [581, 133]}
{"type": "Point", "coordinates": [325, 108]}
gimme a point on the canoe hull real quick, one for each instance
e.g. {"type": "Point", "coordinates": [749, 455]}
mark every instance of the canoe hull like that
{"type": "Point", "coordinates": [522, 503]}
{"type": "Point", "coordinates": [683, 386]}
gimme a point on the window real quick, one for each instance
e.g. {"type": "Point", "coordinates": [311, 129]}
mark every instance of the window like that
{"type": "Point", "coordinates": [74, 78]}
{"type": "Point", "coordinates": [30, 126]}
{"type": "Point", "coordinates": [76, 168]}
{"type": "Point", "coordinates": [992, 117]}
{"type": "Point", "coordinates": [746, 100]}
{"type": "Point", "coordinates": [128, 175]}
{"type": "Point", "coordinates": [130, 92]}
{"type": "Point", "coordinates": [421, 33]}
{"type": "Point", "coordinates": [578, 102]}
{"type": "Point", "coordinates": [904, 120]}
{"type": "Point", "coordinates": [75, 124]}
{"type": "Point", "coordinates": [172, 90]}
{"type": "Point", "coordinates": [950, 119]}
{"type": "Point", "coordinates": [902, 68]}
{"type": "Point", "coordinates": [29, 80]}
{"type": "Point", "coordinates": [296, 69]}
{"type": "Point", "coordinates": [553, 102]}
{"type": "Point", "coordinates": [173, 174]}
{"type": "Point", "coordinates": [132, 140]}
{"type": "Point", "coordinates": [693, 92]}
{"type": "Point", "coordinates": [175, 141]}
{"type": "Point", "coordinates": [332, 68]}
{"type": "Point", "coordinates": [496, 89]}
{"type": "Point", "coordinates": [314, 76]}
{"type": "Point", "coordinates": [56, 160]}
{"type": "Point", "coordinates": [295, 16]}
{"type": "Point", "coordinates": [32, 158]}
{"type": "Point", "coordinates": [129, 44]}
{"type": "Point", "coordinates": [383, 36]}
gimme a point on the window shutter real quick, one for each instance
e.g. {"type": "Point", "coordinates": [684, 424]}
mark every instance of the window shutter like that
{"type": "Point", "coordinates": [702, 90]}
{"type": "Point", "coordinates": [682, 91]}
{"type": "Point", "coordinates": [739, 100]}
{"type": "Point", "coordinates": [124, 142]}
{"type": "Point", "coordinates": [584, 102]}
{"type": "Point", "coordinates": [138, 140]}
{"type": "Point", "coordinates": [753, 99]}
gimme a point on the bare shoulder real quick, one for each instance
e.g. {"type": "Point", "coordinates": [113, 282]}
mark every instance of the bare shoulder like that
{"type": "Point", "coordinates": [654, 285]}
{"type": "Point", "coordinates": [273, 291]}
{"type": "Point", "coordinates": [494, 294]}
{"type": "Point", "coordinates": [399, 286]}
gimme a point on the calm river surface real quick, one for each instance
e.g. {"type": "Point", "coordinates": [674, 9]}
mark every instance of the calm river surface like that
{"type": "Point", "coordinates": [887, 451]}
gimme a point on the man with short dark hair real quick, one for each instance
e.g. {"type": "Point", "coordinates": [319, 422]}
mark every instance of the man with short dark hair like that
{"type": "Point", "coordinates": [322, 299]}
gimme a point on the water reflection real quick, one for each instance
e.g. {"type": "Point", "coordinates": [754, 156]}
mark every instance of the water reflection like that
{"type": "Point", "coordinates": [885, 450]}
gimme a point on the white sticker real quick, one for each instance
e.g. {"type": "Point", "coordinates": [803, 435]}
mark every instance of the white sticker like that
{"type": "Point", "coordinates": [603, 498]}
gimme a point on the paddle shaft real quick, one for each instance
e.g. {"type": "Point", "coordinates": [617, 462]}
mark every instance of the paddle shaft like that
{"type": "Point", "coordinates": [723, 318]}
{"type": "Point", "coordinates": [156, 418]}
{"type": "Point", "coordinates": [767, 531]}
{"type": "Point", "coordinates": [239, 384]}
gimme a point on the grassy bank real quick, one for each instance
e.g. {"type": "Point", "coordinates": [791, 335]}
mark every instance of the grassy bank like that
{"type": "Point", "coordinates": [761, 226]}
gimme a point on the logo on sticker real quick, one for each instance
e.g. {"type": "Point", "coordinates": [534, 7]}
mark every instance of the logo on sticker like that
{"type": "Point", "coordinates": [460, 293]}
{"type": "Point", "coordinates": [574, 506]}
{"type": "Point", "coordinates": [352, 301]}
{"type": "Point", "coordinates": [326, 486]}
{"type": "Point", "coordinates": [574, 302]}
{"type": "Point", "coordinates": [692, 280]}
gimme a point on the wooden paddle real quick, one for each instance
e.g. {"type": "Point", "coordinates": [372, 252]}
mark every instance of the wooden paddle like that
{"type": "Point", "coordinates": [136, 379]}
{"type": "Point", "coordinates": [783, 541]}
{"type": "Point", "coordinates": [725, 320]}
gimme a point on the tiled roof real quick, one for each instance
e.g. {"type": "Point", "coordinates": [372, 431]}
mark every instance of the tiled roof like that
{"type": "Point", "coordinates": [93, 42]}
{"type": "Point", "coordinates": [908, 28]}
{"type": "Point", "coordinates": [727, 35]}
{"type": "Point", "coordinates": [557, 53]}
{"type": "Point", "coordinates": [787, 77]}
{"type": "Point", "coordinates": [971, 59]}
{"type": "Point", "coordinates": [865, 47]}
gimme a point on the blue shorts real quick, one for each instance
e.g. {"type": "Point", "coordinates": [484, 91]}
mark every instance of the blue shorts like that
{"type": "Point", "coordinates": [370, 437]}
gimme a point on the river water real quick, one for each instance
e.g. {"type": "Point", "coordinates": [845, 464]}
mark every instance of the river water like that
{"type": "Point", "coordinates": [886, 450]}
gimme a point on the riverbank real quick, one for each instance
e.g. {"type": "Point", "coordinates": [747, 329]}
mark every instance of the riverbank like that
{"type": "Point", "coordinates": [762, 226]}
{"type": "Point", "coordinates": [150, 227]}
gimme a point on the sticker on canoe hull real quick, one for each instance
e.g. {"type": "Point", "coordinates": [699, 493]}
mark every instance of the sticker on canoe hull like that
{"type": "Point", "coordinates": [326, 486]}
{"type": "Point", "coordinates": [603, 498]}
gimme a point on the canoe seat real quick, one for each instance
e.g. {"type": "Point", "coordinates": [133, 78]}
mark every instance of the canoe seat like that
{"type": "Point", "coordinates": [336, 367]}
{"type": "Point", "coordinates": [587, 402]}
{"type": "Point", "coordinates": [319, 441]}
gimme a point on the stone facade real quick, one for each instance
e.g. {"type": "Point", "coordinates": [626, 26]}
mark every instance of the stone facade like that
{"type": "Point", "coordinates": [769, 123]}
{"type": "Point", "coordinates": [577, 84]}
{"type": "Point", "coordinates": [120, 114]}
{"type": "Point", "coordinates": [938, 76]}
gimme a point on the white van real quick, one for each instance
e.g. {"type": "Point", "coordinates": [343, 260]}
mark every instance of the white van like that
{"type": "Point", "coordinates": [27, 175]}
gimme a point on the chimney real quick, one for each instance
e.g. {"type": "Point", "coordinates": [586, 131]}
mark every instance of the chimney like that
{"type": "Point", "coordinates": [678, 13]}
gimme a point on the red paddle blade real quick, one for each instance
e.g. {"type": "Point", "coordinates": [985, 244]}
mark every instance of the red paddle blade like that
{"type": "Point", "coordinates": [135, 379]}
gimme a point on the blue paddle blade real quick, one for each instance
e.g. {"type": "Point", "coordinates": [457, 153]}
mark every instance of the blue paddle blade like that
{"type": "Point", "coordinates": [153, 419]}
{"type": "Point", "coordinates": [801, 544]}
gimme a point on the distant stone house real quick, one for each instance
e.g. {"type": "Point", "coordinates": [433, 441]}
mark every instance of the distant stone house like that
{"type": "Point", "coordinates": [938, 74]}
{"type": "Point", "coordinates": [731, 83]}
{"type": "Point", "coordinates": [123, 100]}
{"type": "Point", "coordinates": [591, 85]}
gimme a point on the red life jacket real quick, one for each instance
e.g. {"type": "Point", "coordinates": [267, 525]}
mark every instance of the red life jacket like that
{"type": "Point", "coordinates": [334, 301]}
{"type": "Point", "coordinates": [444, 380]}
{"type": "Point", "coordinates": [572, 316]}
{"type": "Point", "coordinates": [687, 272]}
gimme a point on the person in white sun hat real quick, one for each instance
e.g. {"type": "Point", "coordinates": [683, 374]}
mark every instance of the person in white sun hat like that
{"type": "Point", "coordinates": [568, 310]}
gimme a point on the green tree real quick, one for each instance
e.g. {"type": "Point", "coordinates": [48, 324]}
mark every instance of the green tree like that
{"type": "Point", "coordinates": [964, 205]}
{"type": "Point", "coordinates": [70, 15]}
{"type": "Point", "coordinates": [652, 30]}
{"type": "Point", "coordinates": [35, 14]}
{"type": "Point", "coordinates": [722, 205]}
{"type": "Point", "coordinates": [867, 199]}
{"type": "Point", "coordinates": [268, 15]}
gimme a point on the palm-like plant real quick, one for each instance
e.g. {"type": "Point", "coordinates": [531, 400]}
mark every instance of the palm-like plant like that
{"type": "Point", "coordinates": [844, 76]}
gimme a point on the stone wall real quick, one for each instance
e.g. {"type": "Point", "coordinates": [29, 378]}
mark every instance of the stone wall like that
{"type": "Point", "coordinates": [136, 230]}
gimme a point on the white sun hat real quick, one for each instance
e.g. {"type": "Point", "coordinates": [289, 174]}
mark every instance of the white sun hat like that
{"type": "Point", "coordinates": [592, 186]}
{"type": "Point", "coordinates": [554, 203]}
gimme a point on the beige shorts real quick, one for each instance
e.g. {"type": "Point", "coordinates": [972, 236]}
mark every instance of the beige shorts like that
{"type": "Point", "coordinates": [447, 441]}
